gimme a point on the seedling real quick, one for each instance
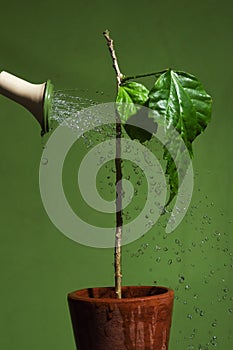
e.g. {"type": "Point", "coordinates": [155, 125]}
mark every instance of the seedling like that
{"type": "Point", "coordinates": [181, 103]}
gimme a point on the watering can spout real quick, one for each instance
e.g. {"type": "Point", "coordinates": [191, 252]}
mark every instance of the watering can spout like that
{"type": "Point", "coordinates": [36, 98]}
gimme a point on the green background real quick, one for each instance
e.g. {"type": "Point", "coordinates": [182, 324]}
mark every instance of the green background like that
{"type": "Point", "coordinates": [63, 41]}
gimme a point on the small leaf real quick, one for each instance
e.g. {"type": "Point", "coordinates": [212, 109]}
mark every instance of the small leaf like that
{"type": "Point", "coordinates": [138, 92]}
{"type": "Point", "coordinates": [129, 95]}
{"type": "Point", "coordinates": [182, 103]}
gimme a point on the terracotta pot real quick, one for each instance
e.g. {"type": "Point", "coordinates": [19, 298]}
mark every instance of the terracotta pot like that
{"type": "Point", "coordinates": [141, 320]}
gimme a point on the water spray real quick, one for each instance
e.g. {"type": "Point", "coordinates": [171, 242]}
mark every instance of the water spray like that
{"type": "Point", "coordinates": [36, 98]}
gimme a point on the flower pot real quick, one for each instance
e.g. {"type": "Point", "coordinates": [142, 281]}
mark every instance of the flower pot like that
{"type": "Point", "coordinates": [141, 320]}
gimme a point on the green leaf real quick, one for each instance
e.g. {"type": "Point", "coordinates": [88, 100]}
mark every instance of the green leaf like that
{"type": "Point", "coordinates": [182, 103]}
{"type": "Point", "coordinates": [129, 94]}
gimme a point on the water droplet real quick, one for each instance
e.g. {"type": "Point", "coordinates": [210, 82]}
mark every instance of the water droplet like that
{"type": "Point", "coordinates": [101, 160]}
{"type": "Point", "coordinates": [192, 335]}
{"type": "Point", "coordinates": [44, 161]}
{"type": "Point", "coordinates": [213, 341]}
{"type": "Point", "coordinates": [217, 235]}
{"type": "Point", "coordinates": [149, 224]}
{"type": "Point", "coordinates": [181, 279]}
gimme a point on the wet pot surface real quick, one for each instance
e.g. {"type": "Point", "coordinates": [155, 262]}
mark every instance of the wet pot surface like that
{"type": "Point", "coordinates": [141, 320]}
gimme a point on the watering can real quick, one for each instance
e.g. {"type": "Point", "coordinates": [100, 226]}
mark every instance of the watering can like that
{"type": "Point", "coordinates": [36, 98]}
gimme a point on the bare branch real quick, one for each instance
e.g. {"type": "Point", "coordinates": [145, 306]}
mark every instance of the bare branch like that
{"type": "Point", "coordinates": [119, 75]}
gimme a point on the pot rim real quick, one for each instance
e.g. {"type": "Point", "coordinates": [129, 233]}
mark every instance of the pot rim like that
{"type": "Point", "coordinates": [74, 295]}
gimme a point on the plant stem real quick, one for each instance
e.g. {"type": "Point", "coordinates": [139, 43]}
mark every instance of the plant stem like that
{"type": "Point", "coordinates": [119, 220]}
{"type": "Point", "coordinates": [119, 75]}
{"type": "Point", "coordinates": [143, 75]}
